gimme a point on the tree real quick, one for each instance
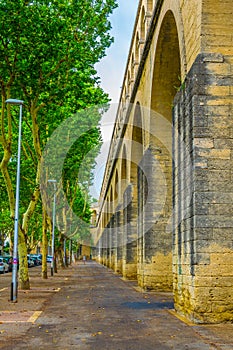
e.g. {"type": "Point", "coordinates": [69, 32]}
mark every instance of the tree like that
{"type": "Point", "coordinates": [6, 224]}
{"type": "Point", "coordinates": [47, 54]}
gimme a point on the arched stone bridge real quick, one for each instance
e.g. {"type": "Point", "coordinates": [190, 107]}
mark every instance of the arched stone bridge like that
{"type": "Point", "coordinates": [166, 205]}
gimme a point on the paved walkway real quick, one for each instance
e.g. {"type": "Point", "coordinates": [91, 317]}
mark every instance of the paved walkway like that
{"type": "Point", "coordinates": [88, 307]}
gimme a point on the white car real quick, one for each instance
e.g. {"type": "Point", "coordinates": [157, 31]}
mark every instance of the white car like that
{"type": "Point", "coordinates": [4, 267]}
{"type": "Point", "coordinates": [49, 258]}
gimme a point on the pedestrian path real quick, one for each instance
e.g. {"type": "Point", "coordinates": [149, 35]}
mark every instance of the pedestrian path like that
{"type": "Point", "coordinates": [95, 309]}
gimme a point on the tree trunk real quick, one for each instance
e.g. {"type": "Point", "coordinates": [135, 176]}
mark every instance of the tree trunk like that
{"type": "Point", "coordinates": [22, 247]}
{"type": "Point", "coordinates": [23, 270]}
{"type": "Point", "coordinates": [44, 271]}
{"type": "Point", "coordinates": [22, 244]}
{"type": "Point", "coordinates": [70, 252]}
{"type": "Point", "coordinates": [59, 253]}
{"type": "Point", "coordinates": [23, 262]}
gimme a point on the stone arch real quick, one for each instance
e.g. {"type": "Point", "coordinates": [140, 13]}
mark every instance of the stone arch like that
{"type": "Point", "coordinates": [140, 183]}
{"type": "Point", "coordinates": [116, 188]}
{"type": "Point", "coordinates": [167, 68]}
{"type": "Point", "coordinates": [137, 142]}
{"type": "Point", "coordinates": [107, 209]}
{"type": "Point", "coordinates": [165, 83]}
{"type": "Point", "coordinates": [132, 69]}
{"type": "Point", "coordinates": [105, 214]}
{"type": "Point", "coordinates": [111, 201]}
{"type": "Point", "coordinates": [105, 236]}
{"type": "Point", "coordinates": [184, 39]}
{"type": "Point", "coordinates": [128, 84]}
{"type": "Point", "coordinates": [137, 47]}
{"type": "Point", "coordinates": [94, 217]}
{"type": "Point", "coordinates": [130, 197]}
{"type": "Point", "coordinates": [124, 170]}
{"type": "Point", "coordinates": [116, 231]}
{"type": "Point", "coordinates": [121, 221]}
{"type": "Point", "coordinates": [111, 236]}
{"type": "Point", "coordinates": [142, 24]}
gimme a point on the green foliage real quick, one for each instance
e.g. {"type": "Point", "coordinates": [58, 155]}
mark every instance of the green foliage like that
{"type": "Point", "coordinates": [47, 55]}
{"type": "Point", "coordinates": [47, 46]}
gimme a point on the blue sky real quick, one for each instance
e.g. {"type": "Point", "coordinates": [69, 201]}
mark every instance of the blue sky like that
{"type": "Point", "coordinates": [112, 67]}
{"type": "Point", "coordinates": [111, 71]}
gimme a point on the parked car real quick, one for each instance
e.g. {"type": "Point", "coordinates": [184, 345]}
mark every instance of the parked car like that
{"type": "Point", "coordinates": [36, 260]}
{"type": "Point", "coordinates": [49, 258]}
{"type": "Point", "coordinates": [9, 261]}
{"type": "Point", "coordinates": [30, 262]}
{"type": "Point", "coordinates": [38, 257]}
{"type": "Point", "coordinates": [4, 267]}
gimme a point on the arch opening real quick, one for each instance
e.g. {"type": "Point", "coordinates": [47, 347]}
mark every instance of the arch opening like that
{"type": "Point", "coordinates": [167, 68]}
{"type": "Point", "coordinates": [165, 83]}
{"type": "Point", "coordinates": [142, 24]}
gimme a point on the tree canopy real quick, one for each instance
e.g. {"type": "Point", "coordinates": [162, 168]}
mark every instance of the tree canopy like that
{"type": "Point", "coordinates": [48, 50]}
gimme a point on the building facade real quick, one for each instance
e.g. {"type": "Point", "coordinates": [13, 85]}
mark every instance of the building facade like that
{"type": "Point", "coordinates": [166, 204]}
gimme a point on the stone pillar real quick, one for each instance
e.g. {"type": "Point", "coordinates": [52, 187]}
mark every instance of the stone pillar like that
{"type": "Point", "coordinates": [140, 226]}
{"type": "Point", "coordinates": [98, 252]}
{"type": "Point", "coordinates": [155, 204]}
{"type": "Point", "coordinates": [108, 244]}
{"type": "Point", "coordinates": [101, 250]}
{"type": "Point", "coordinates": [119, 240]}
{"type": "Point", "coordinates": [129, 268]}
{"type": "Point", "coordinates": [112, 243]}
{"type": "Point", "coordinates": [105, 245]}
{"type": "Point", "coordinates": [203, 192]}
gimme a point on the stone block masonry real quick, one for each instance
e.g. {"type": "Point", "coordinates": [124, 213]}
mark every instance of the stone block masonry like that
{"type": "Point", "coordinates": [171, 158]}
{"type": "Point", "coordinates": [203, 251]}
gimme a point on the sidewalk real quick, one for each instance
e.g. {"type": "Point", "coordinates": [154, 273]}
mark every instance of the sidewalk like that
{"type": "Point", "coordinates": [88, 307]}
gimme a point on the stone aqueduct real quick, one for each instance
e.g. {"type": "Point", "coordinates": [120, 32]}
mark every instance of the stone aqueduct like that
{"type": "Point", "coordinates": [166, 205]}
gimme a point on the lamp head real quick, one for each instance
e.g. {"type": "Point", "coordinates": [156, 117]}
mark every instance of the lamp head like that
{"type": "Point", "coordinates": [13, 101]}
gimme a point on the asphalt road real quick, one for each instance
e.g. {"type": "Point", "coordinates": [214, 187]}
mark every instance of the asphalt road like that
{"type": "Point", "coordinates": [90, 307]}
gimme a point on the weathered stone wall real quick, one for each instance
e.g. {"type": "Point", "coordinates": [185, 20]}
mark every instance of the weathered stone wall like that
{"type": "Point", "coordinates": [155, 254]}
{"type": "Point", "coordinates": [129, 268]}
{"type": "Point", "coordinates": [217, 23]}
{"type": "Point", "coordinates": [185, 46]}
{"type": "Point", "coordinates": [203, 192]}
{"type": "Point", "coordinates": [119, 241]}
{"type": "Point", "coordinates": [190, 27]}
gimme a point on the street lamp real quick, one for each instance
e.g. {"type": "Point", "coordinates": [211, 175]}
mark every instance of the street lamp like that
{"type": "Point", "coordinates": [14, 283]}
{"type": "Point", "coordinates": [54, 218]}
{"type": "Point", "coordinates": [64, 248]}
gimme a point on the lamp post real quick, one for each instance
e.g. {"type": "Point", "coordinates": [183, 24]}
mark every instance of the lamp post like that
{"type": "Point", "coordinates": [14, 283]}
{"type": "Point", "coordinates": [54, 218]}
{"type": "Point", "coordinates": [64, 248]}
